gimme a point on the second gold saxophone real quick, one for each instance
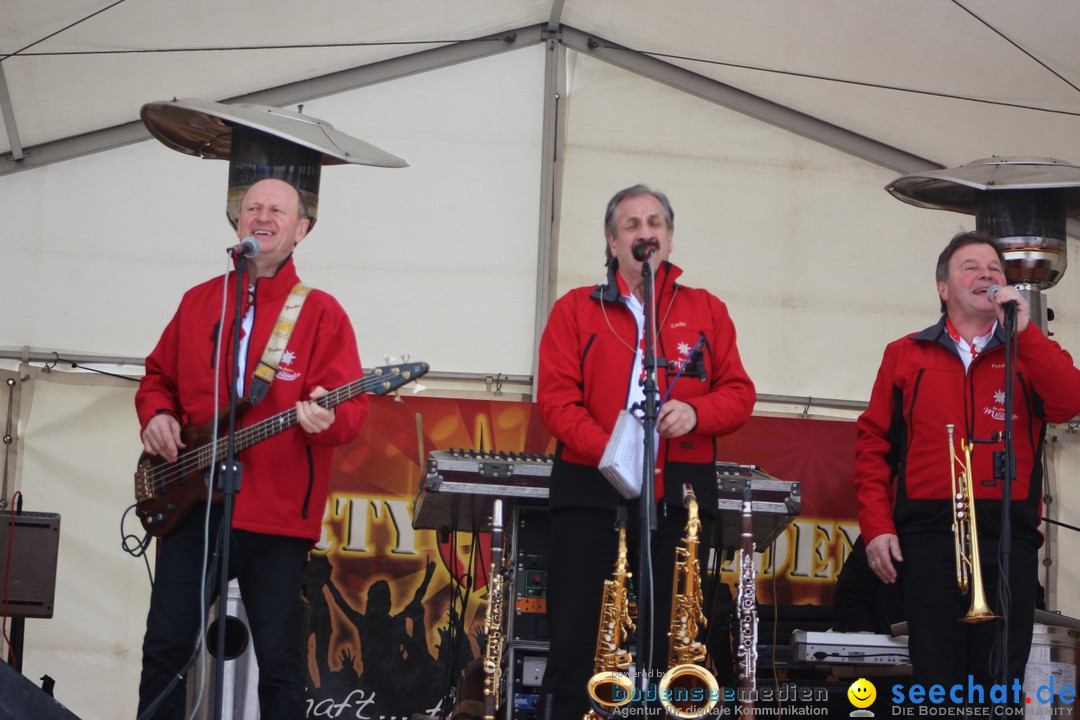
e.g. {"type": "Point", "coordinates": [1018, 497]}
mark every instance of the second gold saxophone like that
{"type": "Point", "coordinates": [687, 690]}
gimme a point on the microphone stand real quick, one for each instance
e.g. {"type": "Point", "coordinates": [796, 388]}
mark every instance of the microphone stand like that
{"type": "Point", "coordinates": [229, 477]}
{"type": "Point", "coordinates": [1008, 475]}
{"type": "Point", "coordinates": [648, 481]}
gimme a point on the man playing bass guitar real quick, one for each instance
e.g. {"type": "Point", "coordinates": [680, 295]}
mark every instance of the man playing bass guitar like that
{"type": "Point", "coordinates": [278, 512]}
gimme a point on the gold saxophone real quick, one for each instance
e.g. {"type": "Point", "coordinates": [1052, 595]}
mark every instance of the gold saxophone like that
{"type": "Point", "coordinates": [687, 690]}
{"type": "Point", "coordinates": [966, 533]}
{"type": "Point", "coordinates": [610, 687]}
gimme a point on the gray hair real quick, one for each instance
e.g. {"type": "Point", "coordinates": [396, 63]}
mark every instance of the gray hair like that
{"type": "Point", "coordinates": [613, 208]}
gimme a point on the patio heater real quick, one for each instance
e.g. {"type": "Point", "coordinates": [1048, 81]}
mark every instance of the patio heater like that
{"type": "Point", "coordinates": [1021, 202]}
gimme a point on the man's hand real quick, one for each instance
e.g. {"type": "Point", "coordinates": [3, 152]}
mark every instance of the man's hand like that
{"type": "Point", "coordinates": [314, 418]}
{"type": "Point", "coordinates": [162, 437]}
{"type": "Point", "coordinates": [881, 552]}
{"type": "Point", "coordinates": [676, 418]}
{"type": "Point", "coordinates": [1004, 296]}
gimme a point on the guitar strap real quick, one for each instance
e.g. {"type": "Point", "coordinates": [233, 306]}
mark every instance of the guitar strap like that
{"type": "Point", "coordinates": [265, 371]}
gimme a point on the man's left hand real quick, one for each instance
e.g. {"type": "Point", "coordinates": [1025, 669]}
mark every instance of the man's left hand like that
{"type": "Point", "coordinates": [676, 418]}
{"type": "Point", "coordinates": [314, 418]}
{"type": "Point", "coordinates": [1008, 294]}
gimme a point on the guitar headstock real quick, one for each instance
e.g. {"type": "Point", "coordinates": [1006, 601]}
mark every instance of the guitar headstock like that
{"type": "Point", "coordinates": [390, 377]}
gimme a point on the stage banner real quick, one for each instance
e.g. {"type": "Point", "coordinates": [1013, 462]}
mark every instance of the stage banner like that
{"type": "Point", "coordinates": [397, 612]}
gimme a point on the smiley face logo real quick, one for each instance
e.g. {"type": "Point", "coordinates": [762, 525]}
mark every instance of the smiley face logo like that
{"type": "Point", "coordinates": [862, 693]}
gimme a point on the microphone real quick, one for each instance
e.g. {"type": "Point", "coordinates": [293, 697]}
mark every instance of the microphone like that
{"type": "Point", "coordinates": [993, 290]}
{"type": "Point", "coordinates": [642, 252]}
{"type": "Point", "coordinates": [248, 247]}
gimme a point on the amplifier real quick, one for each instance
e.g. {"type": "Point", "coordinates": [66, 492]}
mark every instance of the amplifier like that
{"type": "Point", "coordinates": [31, 541]}
{"type": "Point", "coordinates": [849, 648]}
{"type": "Point", "coordinates": [528, 621]}
{"type": "Point", "coordinates": [526, 663]}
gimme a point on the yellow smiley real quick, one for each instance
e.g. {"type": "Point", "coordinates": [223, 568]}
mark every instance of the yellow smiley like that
{"type": "Point", "coordinates": [862, 693]}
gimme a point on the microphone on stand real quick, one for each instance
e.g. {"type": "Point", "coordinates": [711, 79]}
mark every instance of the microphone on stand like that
{"type": "Point", "coordinates": [248, 247]}
{"type": "Point", "coordinates": [643, 252]}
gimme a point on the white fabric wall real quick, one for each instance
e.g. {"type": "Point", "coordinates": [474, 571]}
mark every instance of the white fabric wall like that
{"type": "Point", "coordinates": [819, 266]}
{"type": "Point", "coordinates": [437, 260]}
{"type": "Point", "coordinates": [77, 449]}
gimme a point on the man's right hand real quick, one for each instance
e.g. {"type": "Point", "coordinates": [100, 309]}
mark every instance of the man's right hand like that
{"type": "Point", "coordinates": [162, 437]}
{"type": "Point", "coordinates": [881, 553]}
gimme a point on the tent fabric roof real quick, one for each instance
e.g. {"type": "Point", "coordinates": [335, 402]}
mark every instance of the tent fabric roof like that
{"type": "Point", "coordinates": [942, 81]}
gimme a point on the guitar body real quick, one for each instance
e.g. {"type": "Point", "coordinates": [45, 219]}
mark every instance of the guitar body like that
{"type": "Point", "coordinates": [166, 493]}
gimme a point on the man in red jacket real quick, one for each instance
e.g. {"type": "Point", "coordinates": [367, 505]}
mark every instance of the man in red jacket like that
{"type": "Point", "coordinates": [590, 369]}
{"type": "Point", "coordinates": [279, 509]}
{"type": "Point", "coordinates": [953, 373]}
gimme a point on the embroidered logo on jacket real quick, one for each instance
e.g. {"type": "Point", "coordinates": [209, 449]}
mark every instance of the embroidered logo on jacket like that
{"type": "Point", "coordinates": [998, 410]}
{"type": "Point", "coordinates": [285, 372]}
{"type": "Point", "coordinates": [684, 354]}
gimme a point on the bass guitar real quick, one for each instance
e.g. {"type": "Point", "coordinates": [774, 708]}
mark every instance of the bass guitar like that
{"type": "Point", "coordinates": [165, 492]}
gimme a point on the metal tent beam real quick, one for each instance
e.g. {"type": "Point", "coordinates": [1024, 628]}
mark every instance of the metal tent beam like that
{"type": "Point", "coordinates": [288, 94]}
{"type": "Point", "coordinates": [8, 113]}
{"type": "Point", "coordinates": [743, 102]}
{"type": "Point", "coordinates": [551, 149]}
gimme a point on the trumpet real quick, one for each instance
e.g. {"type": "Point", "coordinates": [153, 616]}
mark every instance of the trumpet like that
{"type": "Point", "coordinates": [966, 533]}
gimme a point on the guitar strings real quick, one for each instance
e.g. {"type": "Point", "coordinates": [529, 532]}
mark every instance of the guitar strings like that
{"type": "Point", "coordinates": [204, 456]}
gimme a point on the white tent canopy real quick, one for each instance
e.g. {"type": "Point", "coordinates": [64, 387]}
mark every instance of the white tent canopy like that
{"type": "Point", "coordinates": [772, 125]}
{"type": "Point", "coordinates": [939, 80]}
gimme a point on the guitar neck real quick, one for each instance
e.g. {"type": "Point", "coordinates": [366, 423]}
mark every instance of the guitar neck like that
{"type": "Point", "coordinates": [246, 437]}
{"type": "Point", "coordinates": [271, 426]}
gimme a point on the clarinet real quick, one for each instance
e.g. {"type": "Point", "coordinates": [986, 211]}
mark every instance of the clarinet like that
{"type": "Point", "coordinates": [493, 620]}
{"type": "Point", "coordinates": [746, 605]}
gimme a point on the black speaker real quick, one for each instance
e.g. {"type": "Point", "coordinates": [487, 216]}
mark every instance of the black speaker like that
{"type": "Point", "coordinates": [21, 699]}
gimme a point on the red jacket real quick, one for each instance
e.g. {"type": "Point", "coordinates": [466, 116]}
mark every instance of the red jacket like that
{"type": "Point", "coordinates": [285, 478]}
{"type": "Point", "coordinates": [586, 360]}
{"type": "Point", "coordinates": [902, 452]}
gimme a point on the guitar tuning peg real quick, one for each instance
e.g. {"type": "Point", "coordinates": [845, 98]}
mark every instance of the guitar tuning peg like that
{"type": "Point", "coordinates": [389, 359]}
{"type": "Point", "coordinates": [418, 388]}
{"type": "Point", "coordinates": [405, 357]}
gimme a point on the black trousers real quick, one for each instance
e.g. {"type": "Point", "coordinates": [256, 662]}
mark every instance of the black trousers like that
{"type": "Point", "coordinates": [944, 651]}
{"type": "Point", "coordinates": [268, 569]}
{"type": "Point", "coordinates": [581, 556]}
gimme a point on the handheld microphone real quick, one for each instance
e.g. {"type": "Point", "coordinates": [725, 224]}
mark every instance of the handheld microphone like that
{"type": "Point", "coordinates": [248, 247]}
{"type": "Point", "coordinates": [642, 252]}
{"type": "Point", "coordinates": [1010, 305]}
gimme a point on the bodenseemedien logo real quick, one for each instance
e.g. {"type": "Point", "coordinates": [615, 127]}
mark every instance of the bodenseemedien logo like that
{"type": "Point", "coordinates": [862, 694]}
